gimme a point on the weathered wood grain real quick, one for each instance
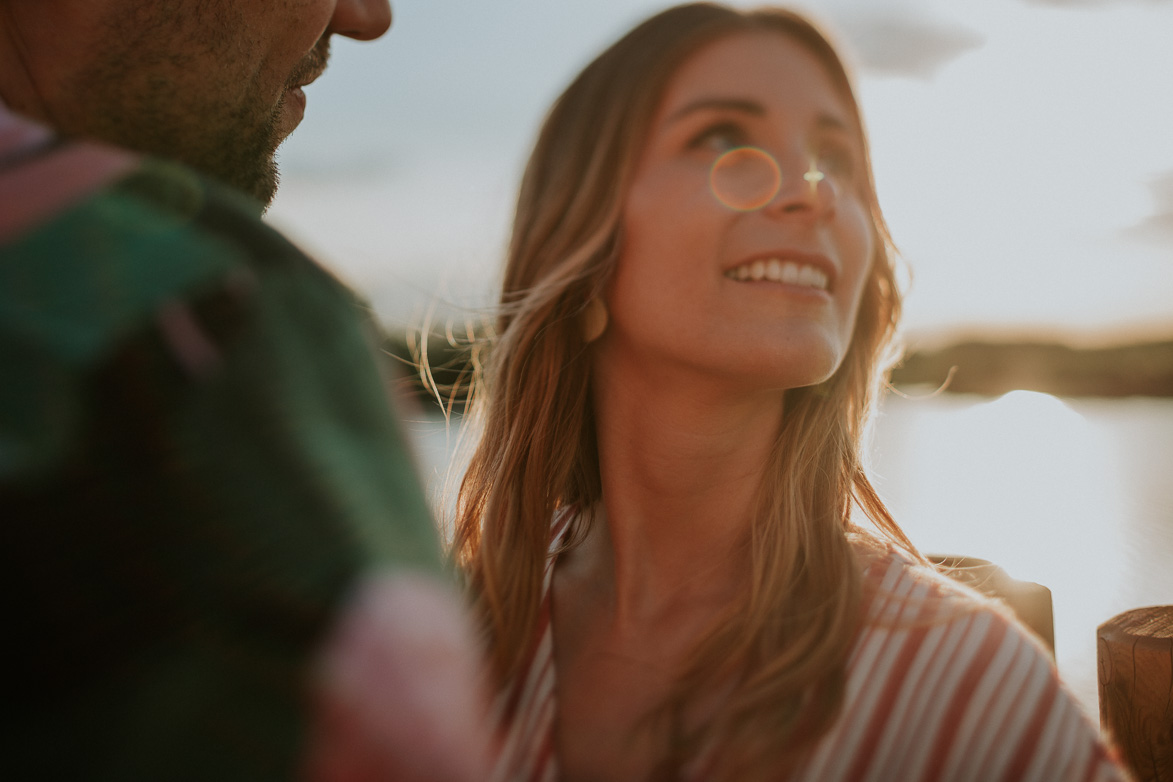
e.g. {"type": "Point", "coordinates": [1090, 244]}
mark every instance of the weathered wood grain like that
{"type": "Point", "coordinates": [1135, 651]}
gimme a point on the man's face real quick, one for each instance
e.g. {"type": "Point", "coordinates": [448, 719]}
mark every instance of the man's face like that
{"type": "Point", "coordinates": [214, 84]}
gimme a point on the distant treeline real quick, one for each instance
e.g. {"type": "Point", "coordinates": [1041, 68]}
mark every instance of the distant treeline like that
{"type": "Point", "coordinates": [994, 368]}
{"type": "Point", "coordinates": [984, 368]}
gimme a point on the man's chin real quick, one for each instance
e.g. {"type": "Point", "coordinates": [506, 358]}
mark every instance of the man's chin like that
{"type": "Point", "coordinates": [254, 171]}
{"type": "Point", "coordinates": [265, 188]}
{"type": "Point", "coordinates": [258, 180]}
{"type": "Point", "coordinates": [242, 154]}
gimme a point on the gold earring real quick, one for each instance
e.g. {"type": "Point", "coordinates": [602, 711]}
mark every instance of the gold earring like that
{"type": "Point", "coordinates": [593, 320]}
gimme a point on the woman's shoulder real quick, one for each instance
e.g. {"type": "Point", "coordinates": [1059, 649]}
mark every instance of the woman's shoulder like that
{"type": "Point", "coordinates": [945, 683]}
{"type": "Point", "coordinates": [900, 587]}
{"type": "Point", "coordinates": [932, 617]}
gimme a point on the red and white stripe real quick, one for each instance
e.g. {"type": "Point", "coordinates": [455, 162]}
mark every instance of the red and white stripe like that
{"type": "Point", "coordinates": [529, 706]}
{"type": "Point", "coordinates": [942, 685]}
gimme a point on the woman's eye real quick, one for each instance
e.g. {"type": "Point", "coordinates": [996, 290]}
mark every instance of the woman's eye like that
{"type": "Point", "coordinates": [836, 161]}
{"type": "Point", "coordinates": [719, 138]}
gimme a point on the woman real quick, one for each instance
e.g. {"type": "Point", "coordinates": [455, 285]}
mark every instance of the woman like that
{"type": "Point", "coordinates": [656, 525]}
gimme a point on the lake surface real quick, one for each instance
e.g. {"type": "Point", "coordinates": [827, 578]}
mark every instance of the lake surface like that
{"type": "Point", "coordinates": [1076, 495]}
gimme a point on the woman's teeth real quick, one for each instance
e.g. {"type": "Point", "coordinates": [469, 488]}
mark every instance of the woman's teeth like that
{"type": "Point", "coordinates": [776, 270]}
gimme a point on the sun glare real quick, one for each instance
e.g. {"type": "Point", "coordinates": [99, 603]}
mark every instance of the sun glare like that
{"type": "Point", "coordinates": [1024, 481]}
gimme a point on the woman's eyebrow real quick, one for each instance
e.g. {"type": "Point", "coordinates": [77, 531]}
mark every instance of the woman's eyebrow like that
{"type": "Point", "coordinates": [824, 121]}
{"type": "Point", "coordinates": [743, 105]}
{"type": "Point", "coordinates": [831, 122]}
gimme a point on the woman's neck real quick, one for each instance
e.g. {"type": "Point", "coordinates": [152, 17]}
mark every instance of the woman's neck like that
{"type": "Point", "coordinates": [681, 464]}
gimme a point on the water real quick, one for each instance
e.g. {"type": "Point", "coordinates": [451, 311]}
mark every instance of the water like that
{"type": "Point", "coordinates": [1072, 494]}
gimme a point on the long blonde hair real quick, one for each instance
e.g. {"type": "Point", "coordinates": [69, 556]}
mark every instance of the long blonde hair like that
{"type": "Point", "coordinates": [785, 651]}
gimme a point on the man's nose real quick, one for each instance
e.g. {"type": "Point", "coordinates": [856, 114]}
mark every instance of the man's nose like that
{"type": "Point", "coordinates": [363, 20]}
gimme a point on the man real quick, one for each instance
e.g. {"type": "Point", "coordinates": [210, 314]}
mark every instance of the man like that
{"type": "Point", "coordinates": [214, 84]}
{"type": "Point", "coordinates": [200, 477]}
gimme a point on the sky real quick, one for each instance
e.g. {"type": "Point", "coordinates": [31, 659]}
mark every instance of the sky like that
{"type": "Point", "coordinates": [1023, 153]}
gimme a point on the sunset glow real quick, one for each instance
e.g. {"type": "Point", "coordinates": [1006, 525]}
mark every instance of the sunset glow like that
{"type": "Point", "coordinates": [1021, 152]}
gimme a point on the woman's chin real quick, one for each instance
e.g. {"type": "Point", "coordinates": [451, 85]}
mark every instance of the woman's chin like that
{"type": "Point", "coordinates": [789, 369]}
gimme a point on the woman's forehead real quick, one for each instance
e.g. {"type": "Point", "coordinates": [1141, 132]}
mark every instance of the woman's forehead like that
{"type": "Point", "coordinates": [769, 68]}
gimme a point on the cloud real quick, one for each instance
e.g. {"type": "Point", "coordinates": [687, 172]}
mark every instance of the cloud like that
{"type": "Point", "coordinates": [903, 44]}
{"type": "Point", "coordinates": [1157, 227]}
{"type": "Point", "coordinates": [1092, 3]}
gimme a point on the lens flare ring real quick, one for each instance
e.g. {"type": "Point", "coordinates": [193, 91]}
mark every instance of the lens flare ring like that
{"type": "Point", "coordinates": [745, 179]}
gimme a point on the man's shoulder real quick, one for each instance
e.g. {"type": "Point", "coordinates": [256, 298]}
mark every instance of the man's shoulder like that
{"type": "Point", "coordinates": [103, 264]}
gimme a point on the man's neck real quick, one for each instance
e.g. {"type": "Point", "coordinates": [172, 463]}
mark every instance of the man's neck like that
{"type": "Point", "coordinates": [17, 88]}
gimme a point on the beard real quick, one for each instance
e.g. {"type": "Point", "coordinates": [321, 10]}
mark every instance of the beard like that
{"type": "Point", "coordinates": [188, 96]}
{"type": "Point", "coordinates": [238, 150]}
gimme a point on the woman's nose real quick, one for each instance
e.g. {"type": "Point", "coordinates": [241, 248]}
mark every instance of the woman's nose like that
{"type": "Point", "coordinates": [363, 20]}
{"type": "Point", "coordinates": [804, 189]}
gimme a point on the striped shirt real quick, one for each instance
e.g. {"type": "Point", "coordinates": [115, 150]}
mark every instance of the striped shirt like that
{"type": "Point", "coordinates": [942, 685]}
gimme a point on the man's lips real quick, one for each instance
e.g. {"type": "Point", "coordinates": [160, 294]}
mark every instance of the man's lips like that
{"type": "Point", "coordinates": [295, 96]}
{"type": "Point", "coordinates": [309, 69]}
{"type": "Point", "coordinates": [310, 78]}
{"type": "Point", "coordinates": [312, 65]}
{"type": "Point", "coordinates": [292, 111]}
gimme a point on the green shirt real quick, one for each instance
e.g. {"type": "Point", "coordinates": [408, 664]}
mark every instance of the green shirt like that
{"type": "Point", "coordinates": [197, 458]}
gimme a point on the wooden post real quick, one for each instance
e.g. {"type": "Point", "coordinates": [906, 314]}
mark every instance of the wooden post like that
{"type": "Point", "coordinates": [1135, 651]}
{"type": "Point", "coordinates": [1029, 601]}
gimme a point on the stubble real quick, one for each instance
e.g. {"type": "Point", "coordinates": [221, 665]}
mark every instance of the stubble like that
{"type": "Point", "coordinates": [178, 80]}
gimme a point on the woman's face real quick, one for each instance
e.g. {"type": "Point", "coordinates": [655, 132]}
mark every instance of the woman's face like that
{"type": "Point", "coordinates": [720, 273]}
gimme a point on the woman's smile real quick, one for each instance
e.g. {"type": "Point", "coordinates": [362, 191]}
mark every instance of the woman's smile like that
{"type": "Point", "coordinates": [793, 272]}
